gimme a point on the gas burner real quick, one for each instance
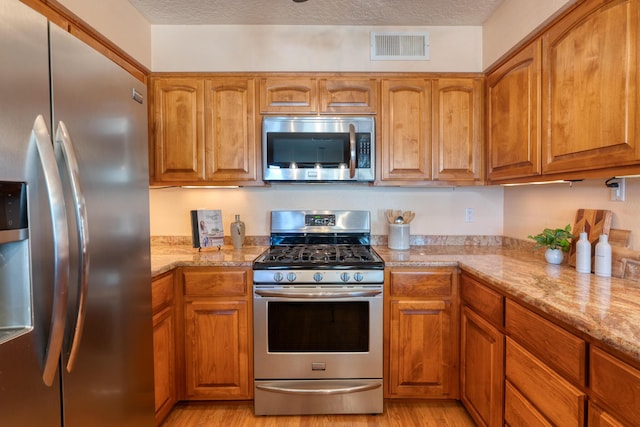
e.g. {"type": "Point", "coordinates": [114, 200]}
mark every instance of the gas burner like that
{"type": "Point", "coordinates": [318, 255]}
{"type": "Point", "coordinates": [319, 240]}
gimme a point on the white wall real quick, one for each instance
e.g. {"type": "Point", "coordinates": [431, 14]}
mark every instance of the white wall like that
{"type": "Point", "coordinates": [304, 48]}
{"type": "Point", "coordinates": [438, 211]}
{"type": "Point", "coordinates": [530, 209]}
{"type": "Point", "coordinates": [512, 21]}
{"type": "Point", "coordinates": [118, 21]}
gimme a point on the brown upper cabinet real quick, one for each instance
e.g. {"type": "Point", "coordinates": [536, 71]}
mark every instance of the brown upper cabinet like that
{"type": "Point", "coordinates": [178, 130]}
{"type": "Point", "coordinates": [405, 142]}
{"type": "Point", "coordinates": [431, 132]}
{"type": "Point", "coordinates": [513, 116]}
{"type": "Point", "coordinates": [349, 95]}
{"type": "Point", "coordinates": [590, 84]}
{"type": "Point", "coordinates": [458, 130]}
{"type": "Point", "coordinates": [288, 95]}
{"type": "Point", "coordinates": [565, 106]}
{"type": "Point", "coordinates": [204, 131]}
{"type": "Point", "coordinates": [310, 95]}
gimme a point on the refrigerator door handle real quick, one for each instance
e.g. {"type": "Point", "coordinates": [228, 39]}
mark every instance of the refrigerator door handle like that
{"type": "Point", "coordinates": [60, 231]}
{"type": "Point", "coordinates": [63, 141]}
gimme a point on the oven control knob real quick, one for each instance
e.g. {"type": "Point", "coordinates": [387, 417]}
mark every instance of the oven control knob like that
{"type": "Point", "coordinates": [358, 277]}
{"type": "Point", "coordinates": [317, 277]}
{"type": "Point", "coordinates": [345, 277]}
{"type": "Point", "coordinates": [291, 277]}
{"type": "Point", "coordinates": [278, 277]}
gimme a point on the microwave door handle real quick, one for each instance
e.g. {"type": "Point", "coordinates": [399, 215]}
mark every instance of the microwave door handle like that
{"type": "Point", "coordinates": [60, 233]}
{"type": "Point", "coordinates": [352, 150]}
{"type": "Point", "coordinates": [67, 151]}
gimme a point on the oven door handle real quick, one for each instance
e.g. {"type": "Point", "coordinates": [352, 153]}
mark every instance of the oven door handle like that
{"type": "Point", "coordinates": [312, 295]}
{"type": "Point", "coordinates": [352, 150]}
{"type": "Point", "coordinates": [319, 389]}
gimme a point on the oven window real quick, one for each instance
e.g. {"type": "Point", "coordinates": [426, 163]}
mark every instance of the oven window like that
{"type": "Point", "coordinates": [306, 150]}
{"type": "Point", "coordinates": [318, 326]}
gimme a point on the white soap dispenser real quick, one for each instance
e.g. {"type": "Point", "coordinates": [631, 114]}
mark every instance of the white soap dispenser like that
{"type": "Point", "coordinates": [583, 254]}
{"type": "Point", "coordinates": [603, 257]}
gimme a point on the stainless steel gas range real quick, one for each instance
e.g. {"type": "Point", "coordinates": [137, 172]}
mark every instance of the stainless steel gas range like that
{"type": "Point", "coordinates": [317, 298]}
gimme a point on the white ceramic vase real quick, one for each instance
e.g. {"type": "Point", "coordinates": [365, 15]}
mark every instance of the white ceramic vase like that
{"type": "Point", "coordinates": [554, 256]}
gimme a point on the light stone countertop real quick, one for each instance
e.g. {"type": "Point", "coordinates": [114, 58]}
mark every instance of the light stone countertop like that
{"type": "Point", "coordinates": [605, 309]}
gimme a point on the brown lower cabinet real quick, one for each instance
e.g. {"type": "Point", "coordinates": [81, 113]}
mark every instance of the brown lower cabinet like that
{"type": "Point", "coordinates": [615, 387]}
{"type": "Point", "coordinates": [164, 350]}
{"type": "Point", "coordinates": [218, 338]}
{"type": "Point", "coordinates": [421, 333]}
{"type": "Point", "coordinates": [508, 364]}
{"type": "Point", "coordinates": [482, 352]}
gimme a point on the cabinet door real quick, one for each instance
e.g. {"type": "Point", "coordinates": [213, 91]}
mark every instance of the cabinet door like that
{"type": "Point", "coordinates": [164, 365]}
{"type": "Point", "coordinates": [421, 357]}
{"type": "Point", "coordinates": [231, 142]}
{"type": "Point", "coordinates": [513, 116]}
{"type": "Point", "coordinates": [406, 131]}
{"type": "Point", "coordinates": [217, 350]}
{"type": "Point", "coordinates": [616, 384]}
{"type": "Point", "coordinates": [346, 96]}
{"type": "Point", "coordinates": [178, 129]}
{"type": "Point", "coordinates": [590, 84]}
{"type": "Point", "coordinates": [288, 95]}
{"type": "Point", "coordinates": [482, 369]}
{"type": "Point", "coordinates": [458, 130]}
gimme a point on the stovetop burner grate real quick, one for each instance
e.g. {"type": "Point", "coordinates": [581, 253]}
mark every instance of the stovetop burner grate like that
{"type": "Point", "coordinates": [326, 255]}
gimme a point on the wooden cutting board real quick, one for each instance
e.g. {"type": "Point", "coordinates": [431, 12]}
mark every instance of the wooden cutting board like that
{"type": "Point", "coordinates": [594, 222]}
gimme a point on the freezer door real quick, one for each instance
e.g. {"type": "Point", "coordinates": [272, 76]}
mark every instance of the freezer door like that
{"type": "Point", "coordinates": [26, 265]}
{"type": "Point", "coordinates": [110, 382]}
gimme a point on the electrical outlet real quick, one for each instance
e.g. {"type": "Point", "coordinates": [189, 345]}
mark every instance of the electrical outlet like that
{"type": "Point", "coordinates": [618, 193]}
{"type": "Point", "coordinates": [468, 215]}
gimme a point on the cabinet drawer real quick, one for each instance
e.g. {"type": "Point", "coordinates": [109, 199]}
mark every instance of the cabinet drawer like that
{"type": "Point", "coordinates": [483, 300]}
{"type": "Point", "coordinates": [560, 349]}
{"type": "Point", "coordinates": [422, 283]}
{"type": "Point", "coordinates": [215, 282]}
{"type": "Point", "coordinates": [518, 411]}
{"type": "Point", "coordinates": [554, 397]}
{"type": "Point", "coordinates": [161, 292]}
{"type": "Point", "coordinates": [617, 384]}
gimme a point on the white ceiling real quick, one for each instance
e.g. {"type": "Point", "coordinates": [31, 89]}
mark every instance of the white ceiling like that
{"type": "Point", "coordinates": [317, 12]}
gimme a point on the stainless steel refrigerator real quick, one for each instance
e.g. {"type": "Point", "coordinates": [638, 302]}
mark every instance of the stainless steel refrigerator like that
{"type": "Point", "coordinates": [75, 287]}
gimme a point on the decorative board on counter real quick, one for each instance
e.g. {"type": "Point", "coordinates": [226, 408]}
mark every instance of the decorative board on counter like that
{"type": "Point", "coordinates": [594, 222]}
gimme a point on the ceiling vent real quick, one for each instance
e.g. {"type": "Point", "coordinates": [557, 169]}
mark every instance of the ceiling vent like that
{"type": "Point", "coordinates": [399, 46]}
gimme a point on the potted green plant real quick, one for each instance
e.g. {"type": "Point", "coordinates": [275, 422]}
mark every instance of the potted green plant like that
{"type": "Point", "coordinates": [557, 241]}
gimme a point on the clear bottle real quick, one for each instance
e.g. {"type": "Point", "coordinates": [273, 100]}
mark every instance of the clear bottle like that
{"type": "Point", "coordinates": [237, 233]}
{"type": "Point", "coordinates": [583, 254]}
{"type": "Point", "coordinates": [603, 257]}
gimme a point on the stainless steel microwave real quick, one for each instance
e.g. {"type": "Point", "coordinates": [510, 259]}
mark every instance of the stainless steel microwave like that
{"type": "Point", "coordinates": [318, 148]}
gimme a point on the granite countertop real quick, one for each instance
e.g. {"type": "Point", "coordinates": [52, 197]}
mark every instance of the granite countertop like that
{"type": "Point", "coordinates": [607, 309]}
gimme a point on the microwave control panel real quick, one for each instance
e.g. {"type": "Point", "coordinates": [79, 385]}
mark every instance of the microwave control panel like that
{"type": "Point", "coordinates": [363, 142]}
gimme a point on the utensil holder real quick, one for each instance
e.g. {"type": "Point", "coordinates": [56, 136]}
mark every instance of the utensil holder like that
{"type": "Point", "coordinates": [399, 236]}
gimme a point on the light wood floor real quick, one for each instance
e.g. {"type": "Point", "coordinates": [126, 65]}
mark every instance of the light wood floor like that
{"type": "Point", "coordinates": [396, 413]}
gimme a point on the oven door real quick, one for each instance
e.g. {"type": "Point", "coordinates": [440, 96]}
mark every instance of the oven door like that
{"type": "Point", "coordinates": [317, 332]}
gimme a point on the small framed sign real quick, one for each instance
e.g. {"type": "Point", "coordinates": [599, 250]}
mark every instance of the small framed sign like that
{"type": "Point", "coordinates": [206, 228]}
